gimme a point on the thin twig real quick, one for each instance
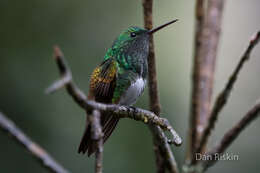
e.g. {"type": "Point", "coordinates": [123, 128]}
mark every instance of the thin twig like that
{"type": "Point", "coordinates": [165, 150]}
{"type": "Point", "coordinates": [97, 136]}
{"type": "Point", "coordinates": [200, 15]}
{"type": "Point", "coordinates": [232, 134]}
{"type": "Point", "coordinates": [118, 110]}
{"type": "Point", "coordinates": [37, 151]}
{"type": "Point", "coordinates": [206, 58]}
{"type": "Point", "coordinates": [225, 93]}
{"type": "Point", "coordinates": [152, 76]}
{"type": "Point", "coordinates": [161, 149]}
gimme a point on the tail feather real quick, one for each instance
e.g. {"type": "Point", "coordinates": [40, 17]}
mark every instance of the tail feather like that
{"type": "Point", "coordinates": [85, 142]}
{"type": "Point", "coordinates": [109, 127]}
{"type": "Point", "coordinates": [108, 123]}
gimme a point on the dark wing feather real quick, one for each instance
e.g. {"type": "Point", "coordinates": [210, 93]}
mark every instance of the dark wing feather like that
{"type": "Point", "coordinates": [102, 86]}
{"type": "Point", "coordinates": [103, 81]}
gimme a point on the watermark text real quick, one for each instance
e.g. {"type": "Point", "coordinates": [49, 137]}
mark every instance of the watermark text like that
{"type": "Point", "coordinates": [217, 156]}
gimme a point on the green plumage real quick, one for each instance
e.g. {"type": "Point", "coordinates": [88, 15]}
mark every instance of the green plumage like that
{"type": "Point", "coordinates": [120, 78]}
{"type": "Point", "coordinates": [129, 62]}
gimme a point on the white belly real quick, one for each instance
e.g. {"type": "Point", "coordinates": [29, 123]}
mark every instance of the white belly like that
{"type": "Point", "coordinates": [133, 92]}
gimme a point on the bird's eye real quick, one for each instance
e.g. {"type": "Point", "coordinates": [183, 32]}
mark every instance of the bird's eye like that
{"type": "Point", "coordinates": [132, 34]}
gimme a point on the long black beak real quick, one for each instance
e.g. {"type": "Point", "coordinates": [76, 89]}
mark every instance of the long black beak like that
{"type": "Point", "coordinates": [162, 26]}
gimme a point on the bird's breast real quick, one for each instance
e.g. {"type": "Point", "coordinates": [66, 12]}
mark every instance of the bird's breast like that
{"type": "Point", "coordinates": [133, 92]}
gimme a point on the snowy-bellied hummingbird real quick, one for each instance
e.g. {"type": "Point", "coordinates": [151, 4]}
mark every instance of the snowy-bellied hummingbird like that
{"type": "Point", "coordinates": [120, 78]}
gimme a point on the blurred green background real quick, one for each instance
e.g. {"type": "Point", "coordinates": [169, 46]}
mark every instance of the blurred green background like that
{"type": "Point", "coordinates": [84, 29]}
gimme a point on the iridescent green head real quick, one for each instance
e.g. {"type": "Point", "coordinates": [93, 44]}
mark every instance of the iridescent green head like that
{"type": "Point", "coordinates": [130, 48]}
{"type": "Point", "coordinates": [128, 36]}
{"type": "Point", "coordinates": [134, 33]}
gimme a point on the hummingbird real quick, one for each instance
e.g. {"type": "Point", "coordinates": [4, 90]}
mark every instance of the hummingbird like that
{"type": "Point", "coordinates": [120, 78]}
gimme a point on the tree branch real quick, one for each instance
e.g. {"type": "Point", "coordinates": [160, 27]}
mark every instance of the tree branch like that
{"type": "Point", "coordinates": [199, 19]}
{"type": "Point", "coordinates": [152, 75]}
{"type": "Point", "coordinates": [118, 110]}
{"type": "Point", "coordinates": [97, 136]}
{"type": "Point", "coordinates": [203, 75]}
{"type": "Point", "coordinates": [232, 134]}
{"type": "Point", "coordinates": [163, 153]}
{"type": "Point", "coordinates": [37, 152]}
{"type": "Point", "coordinates": [225, 93]}
{"type": "Point", "coordinates": [164, 149]}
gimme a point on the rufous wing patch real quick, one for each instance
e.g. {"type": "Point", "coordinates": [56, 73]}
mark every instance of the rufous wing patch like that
{"type": "Point", "coordinates": [102, 82]}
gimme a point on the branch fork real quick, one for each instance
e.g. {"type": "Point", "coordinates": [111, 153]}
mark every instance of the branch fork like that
{"type": "Point", "coordinates": [96, 108]}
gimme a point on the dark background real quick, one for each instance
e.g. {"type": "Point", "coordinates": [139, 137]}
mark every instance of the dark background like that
{"type": "Point", "coordinates": [84, 30]}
